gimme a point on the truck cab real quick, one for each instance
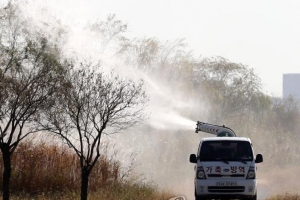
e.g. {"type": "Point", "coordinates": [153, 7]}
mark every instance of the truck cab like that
{"type": "Point", "coordinates": [225, 167]}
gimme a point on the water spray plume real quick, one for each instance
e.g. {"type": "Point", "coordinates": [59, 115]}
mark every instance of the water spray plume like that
{"type": "Point", "coordinates": [171, 121]}
{"type": "Point", "coordinates": [167, 138]}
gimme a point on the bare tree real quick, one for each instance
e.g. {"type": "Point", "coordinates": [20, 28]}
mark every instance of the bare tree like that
{"type": "Point", "coordinates": [285, 115]}
{"type": "Point", "coordinates": [94, 105]}
{"type": "Point", "coordinates": [109, 32]}
{"type": "Point", "coordinates": [159, 58]}
{"type": "Point", "coordinates": [29, 74]}
{"type": "Point", "coordinates": [231, 87]}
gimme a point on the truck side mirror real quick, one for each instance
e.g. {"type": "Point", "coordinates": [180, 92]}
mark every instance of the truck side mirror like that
{"type": "Point", "coordinates": [259, 158]}
{"type": "Point", "coordinates": [193, 158]}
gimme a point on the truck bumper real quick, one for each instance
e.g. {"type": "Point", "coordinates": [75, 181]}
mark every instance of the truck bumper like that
{"type": "Point", "coordinates": [208, 188]}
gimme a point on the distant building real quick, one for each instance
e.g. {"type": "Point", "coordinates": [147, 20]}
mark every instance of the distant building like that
{"type": "Point", "coordinates": [291, 85]}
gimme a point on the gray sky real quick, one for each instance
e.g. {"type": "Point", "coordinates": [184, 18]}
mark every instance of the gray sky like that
{"type": "Point", "coordinates": [264, 35]}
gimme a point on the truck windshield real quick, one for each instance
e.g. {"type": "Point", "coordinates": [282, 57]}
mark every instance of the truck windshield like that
{"type": "Point", "coordinates": [226, 151]}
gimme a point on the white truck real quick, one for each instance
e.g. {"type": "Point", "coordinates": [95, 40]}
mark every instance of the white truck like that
{"type": "Point", "coordinates": [225, 165]}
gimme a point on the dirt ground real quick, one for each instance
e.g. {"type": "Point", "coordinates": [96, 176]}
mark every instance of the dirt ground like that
{"type": "Point", "coordinates": [279, 180]}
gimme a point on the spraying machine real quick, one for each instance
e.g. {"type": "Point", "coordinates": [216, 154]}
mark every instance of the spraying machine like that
{"type": "Point", "coordinates": [225, 165]}
{"type": "Point", "coordinates": [219, 131]}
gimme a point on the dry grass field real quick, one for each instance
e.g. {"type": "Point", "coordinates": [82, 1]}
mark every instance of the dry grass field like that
{"type": "Point", "coordinates": [47, 172]}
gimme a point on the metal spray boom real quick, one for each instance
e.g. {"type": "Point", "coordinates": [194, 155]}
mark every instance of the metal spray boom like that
{"type": "Point", "coordinates": [219, 131]}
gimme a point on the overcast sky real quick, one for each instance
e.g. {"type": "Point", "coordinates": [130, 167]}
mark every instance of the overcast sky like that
{"type": "Point", "coordinates": [264, 35]}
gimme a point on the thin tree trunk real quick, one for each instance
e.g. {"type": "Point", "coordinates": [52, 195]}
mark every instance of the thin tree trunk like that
{"type": "Point", "coordinates": [6, 171]}
{"type": "Point", "coordinates": [84, 182]}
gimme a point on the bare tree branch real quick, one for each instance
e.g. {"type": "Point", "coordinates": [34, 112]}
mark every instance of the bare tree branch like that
{"type": "Point", "coordinates": [95, 102]}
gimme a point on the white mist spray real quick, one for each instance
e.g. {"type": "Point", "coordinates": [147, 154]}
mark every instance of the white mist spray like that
{"type": "Point", "coordinates": [161, 146]}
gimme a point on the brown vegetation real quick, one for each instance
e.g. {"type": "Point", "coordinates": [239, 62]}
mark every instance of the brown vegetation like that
{"type": "Point", "coordinates": [43, 171]}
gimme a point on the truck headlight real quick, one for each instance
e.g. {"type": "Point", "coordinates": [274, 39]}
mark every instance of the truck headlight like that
{"type": "Point", "coordinates": [251, 173]}
{"type": "Point", "coordinates": [200, 173]}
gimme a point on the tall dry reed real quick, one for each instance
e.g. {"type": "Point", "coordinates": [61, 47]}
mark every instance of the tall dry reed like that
{"type": "Point", "coordinates": [43, 168]}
